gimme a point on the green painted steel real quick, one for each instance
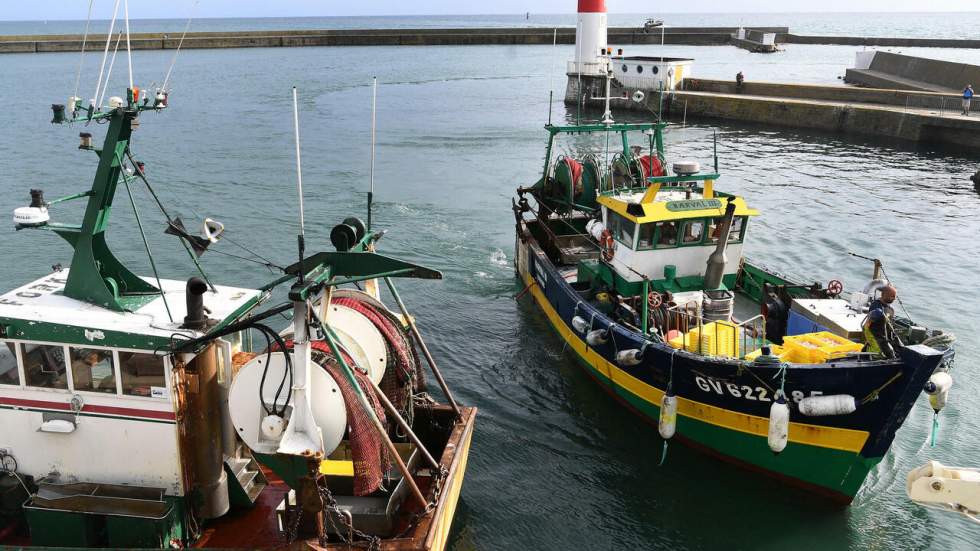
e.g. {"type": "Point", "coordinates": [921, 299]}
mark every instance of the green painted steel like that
{"type": "Point", "coordinates": [72, 334]}
{"type": "Point", "coordinates": [290, 468]}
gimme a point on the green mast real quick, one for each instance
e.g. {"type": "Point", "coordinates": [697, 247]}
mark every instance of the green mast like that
{"type": "Point", "coordinates": [96, 275]}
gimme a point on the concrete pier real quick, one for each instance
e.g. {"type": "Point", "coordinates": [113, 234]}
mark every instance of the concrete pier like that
{"type": "Point", "coordinates": [374, 37]}
{"type": "Point", "coordinates": [904, 72]}
{"type": "Point", "coordinates": [912, 116]}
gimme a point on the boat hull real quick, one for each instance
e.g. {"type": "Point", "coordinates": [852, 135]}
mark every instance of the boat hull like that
{"type": "Point", "coordinates": [723, 408]}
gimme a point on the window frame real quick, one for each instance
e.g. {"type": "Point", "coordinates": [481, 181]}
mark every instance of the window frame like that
{"type": "Point", "coordinates": [166, 376]}
{"type": "Point", "coordinates": [115, 371]}
{"type": "Point", "coordinates": [683, 232]}
{"type": "Point", "coordinates": [19, 365]}
{"type": "Point", "coordinates": [23, 368]}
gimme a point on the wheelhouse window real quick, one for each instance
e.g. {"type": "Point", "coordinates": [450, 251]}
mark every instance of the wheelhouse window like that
{"type": "Point", "coordinates": [142, 374]}
{"type": "Point", "coordinates": [621, 228]}
{"type": "Point", "coordinates": [738, 229]}
{"type": "Point", "coordinates": [92, 370]}
{"type": "Point", "coordinates": [660, 235]}
{"type": "Point", "coordinates": [693, 232]}
{"type": "Point", "coordinates": [8, 364]}
{"type": "Point", "coordinates": [44, 366]}
{"type": "Point", "coordinates": [735, 236]}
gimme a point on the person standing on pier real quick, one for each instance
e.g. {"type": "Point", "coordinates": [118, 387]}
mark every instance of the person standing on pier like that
{"type": "Point", "coordinates": [967, 98]}
{"type": "Point", "coordinates": [739, 80]}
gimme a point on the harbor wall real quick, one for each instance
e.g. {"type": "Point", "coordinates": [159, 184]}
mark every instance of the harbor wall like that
{"type": "Point", "coordinates": [968, 43]}
{"type": "Point", "coordinates": [619, 36]}
{"type": "Point", "coordinates": [914, 73]}
{"type": "Point", "coordinates": [880, 96]}
{"type": "Point", "coordinates": [854, 119]}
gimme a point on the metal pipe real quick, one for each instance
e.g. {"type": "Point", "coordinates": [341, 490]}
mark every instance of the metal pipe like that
{"type": "Point", "coordinates": [425, 349]}
{"type": "Point", "coordinates": [404, 425]}
{"type": "Point", "coordinates": [716, 262]}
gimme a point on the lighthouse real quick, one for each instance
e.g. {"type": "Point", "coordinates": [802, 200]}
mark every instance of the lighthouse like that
{"type": "Point", "coordinates": [587, 71]}
{"type": "Point", "coordinates": [590, 39]}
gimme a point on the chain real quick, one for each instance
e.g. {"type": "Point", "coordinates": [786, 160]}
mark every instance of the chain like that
{"type": "Point", "coordinates": [332, 509]}
{"type": "Point", "coordinates": [294, 526]}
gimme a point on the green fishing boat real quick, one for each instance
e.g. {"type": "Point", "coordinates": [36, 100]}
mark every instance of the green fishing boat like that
{"type": "Point", "coordinates": [637, 263]}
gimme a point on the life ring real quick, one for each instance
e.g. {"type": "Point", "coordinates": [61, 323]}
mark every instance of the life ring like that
{"type": "Point", "coordinates": [607, 245]}
{"type": "Point", "coordinates": [654, 300]}
{"type": "Point", "coordinates": [835, 288]}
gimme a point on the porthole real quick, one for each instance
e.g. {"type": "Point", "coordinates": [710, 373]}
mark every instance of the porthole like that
{"type": "Point", "coordinates": [639, 68]}
{"type": "Point", "coordinates": [656, 69]}
{"type": "Point", "coordinates": [626, 68]}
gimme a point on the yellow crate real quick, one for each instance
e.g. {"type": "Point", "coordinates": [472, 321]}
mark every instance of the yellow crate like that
{"type": "Point", "coordinates": [718, 338]}
{"type": "Point", "coordinates": [819, 347]}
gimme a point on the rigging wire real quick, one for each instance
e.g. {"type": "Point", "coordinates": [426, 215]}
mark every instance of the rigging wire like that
{"type": "Point", "coordinates": [108, 74]}
{"type": "Point", "coordinates": [105, 54]}
{"type": "Point", "coordinates": [180, 43]}
{"type": "Point", "coordinates": [146, 244]}
{"type": "Point", "coordinates": [81, 58]}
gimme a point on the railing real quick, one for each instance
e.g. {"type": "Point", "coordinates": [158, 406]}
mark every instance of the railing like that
{"type": "Point", "coordinates": [943, 104]}
{"type": "Point", "coordinates": [751, 333]}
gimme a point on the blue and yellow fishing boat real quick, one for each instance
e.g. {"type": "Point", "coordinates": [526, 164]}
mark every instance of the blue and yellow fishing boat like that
{"type": "Point", "coordinates": [637, 264]}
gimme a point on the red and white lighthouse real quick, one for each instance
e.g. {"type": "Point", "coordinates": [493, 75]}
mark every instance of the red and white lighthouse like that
{"type": "Point", "coordinates": [590, 39]}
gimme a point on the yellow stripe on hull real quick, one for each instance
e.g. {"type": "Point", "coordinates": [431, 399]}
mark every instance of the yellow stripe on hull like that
{"type": "Point", "coordinates": [441, 526]}
{"type": "Point", "coordinates": [812, 435]}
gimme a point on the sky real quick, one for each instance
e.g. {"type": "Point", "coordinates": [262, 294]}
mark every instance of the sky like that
{"type": "Point", "coordinates": [17, 10]}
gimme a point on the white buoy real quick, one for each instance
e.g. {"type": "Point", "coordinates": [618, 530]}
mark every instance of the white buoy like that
{"type": "Point", "coordinates": [633, 356]}
{"type": "Point", "coordinates": [938, 389]}
{"type": "Point", "coordinates": [668, 416]}
{"type": "Point", "coordinates": [778, 425]}
{"type": "Point", "coordinates": [579, 324]}
{"type": "Point", "coordinates": [834, 404]}
{"type": "Point", "coordinates": [597, 337]}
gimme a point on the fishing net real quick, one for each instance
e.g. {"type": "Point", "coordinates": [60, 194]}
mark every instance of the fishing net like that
{"type": "Point", "coordinates": [368, 452]}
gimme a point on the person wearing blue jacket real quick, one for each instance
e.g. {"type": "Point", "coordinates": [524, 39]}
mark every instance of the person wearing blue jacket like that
{"type": "Point", "coordinates": [967, 97]}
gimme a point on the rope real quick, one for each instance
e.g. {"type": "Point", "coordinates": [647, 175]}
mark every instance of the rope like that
{"type": "Point", "coordinates": [173, 62]}
{"type": "Point", "coordinates": [81, 59]}
{"type": "Point", "coordinates": [935, 429]}
{"type": "Point", "coordinates": [105, 54]}
{"type": "Point", "coordinates": [781, 373]}
{"type": "Point", "coordinates": [146, 244]}
{"type": "Point", "coordinates": [264, 261]}
{"type": "Point", "coordinates": [873, 395]}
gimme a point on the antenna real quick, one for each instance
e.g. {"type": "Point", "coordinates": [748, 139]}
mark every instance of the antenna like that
{"type": "Point", "coordinates": [105, 53]}
{"type": "Point", "coordinates": [374, 119]}
{"type": "Point", "coordinates": [551, 79]}
{"type": "Point", "coordinates": [129, 49]}
{"type": "Point", "coordinates": [299, 184]}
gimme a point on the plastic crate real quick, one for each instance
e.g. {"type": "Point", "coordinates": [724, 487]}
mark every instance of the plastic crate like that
{"type": "Point", "coordinates": [819, 347]}
{"type": "Point", "coordinates": [718, 338]}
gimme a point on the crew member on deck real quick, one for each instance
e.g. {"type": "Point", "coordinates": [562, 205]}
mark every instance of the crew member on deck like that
{"type": "Point", "coordinates": [879, 332]}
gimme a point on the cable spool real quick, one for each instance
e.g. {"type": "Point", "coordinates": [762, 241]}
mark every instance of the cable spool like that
{"type": "Point", "coordinates": [347, 234]}
{"type": "Point", "coordinates": [256, 427]}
